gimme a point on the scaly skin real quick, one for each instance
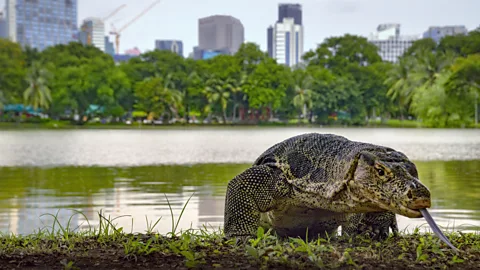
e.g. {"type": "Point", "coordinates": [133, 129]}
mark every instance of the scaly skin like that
{"type": "Point", "coordinates": [320, 182]}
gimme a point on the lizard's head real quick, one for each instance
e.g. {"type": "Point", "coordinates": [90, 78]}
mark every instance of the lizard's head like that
{"type": "Point", "coordinates": [390, 181]}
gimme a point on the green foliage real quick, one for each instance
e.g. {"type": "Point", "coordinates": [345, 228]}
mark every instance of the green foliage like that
{"type": "Point", "coordinates": [38, 94]}
{"type": "Point", "coordinates": [158, 95]}
{"type": "Point", "coordinates": [435, 84]}
{"type": "Point", "coordinates": [207, 248]}
{"type": "Point", "coordinates": [344, 76]}
{"type": "Point", "coordinates": [12, 72]}
{"type": "Point", "coordinates": [338, 52]}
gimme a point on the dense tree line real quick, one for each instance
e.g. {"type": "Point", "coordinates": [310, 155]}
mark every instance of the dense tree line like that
{"type": "Point", "coordinates": [343, 80]}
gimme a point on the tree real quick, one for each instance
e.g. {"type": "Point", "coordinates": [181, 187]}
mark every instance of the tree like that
{"type": "Point", "coordinates": [429, 66]}
{"type": "Point", "coordinates": [249, 56]}
{"type": "Point", "coordinates": [465, 73]}
{"type": "Point", "coordinates": [430, 103]}
{"type": "Point", "coordinates": [338, 52]}
{"type": "Point", "coordinates": [424, 44]}
{"type": "Point", "coordinates": [399, 81]}
{"type": "Point", "coordinates": [464, 83]}
{"type": "Point", "coordinates": [217, 93]}
{"type": "Point", "coordinates": [38, 93]}
{"type": "Point", "coordinates": [12, 71]}
{"type": "Point", "coordinates": [236, 88]}
{"type": "Point", "coordinates": [303, 93]}
{"type": "Point", "coordinates": [2, 99]}
{"type": "Point", "coordinates": [265, 88]}
{"type": "Point", "coordinates": [158, 96]}
{"type": "Point", "coordinates": [84, 76]}
{"type": "Point", "coordinates": [373, 98]}
{"type": "Point", "coordinates": [461, 44]}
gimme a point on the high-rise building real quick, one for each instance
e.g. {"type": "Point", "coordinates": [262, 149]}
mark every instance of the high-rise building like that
{"type": "Point", "coordinates": [42, 23]}
{"type": "Point", "coordinates": [93, 33]}
{"type": "Point", "coordinates": [390, 43]}
{"type": "Point", "coordinates": [270, 41]}
{"type": "Point", "coordinates": [109, 48]}
{"type": "Point", "coordinates": [438, 32]}
{"type": "Point", "coordinates": [285, 38]}
{"type": "Point", "coordinates": [11, 20]}
{"type": "Point", "coordinates": [290, 11]}
{"type": "Point", "coordinates": [286, 44]}
{"type": "Point", "coordinates": [175, 46]}
{"type": "Point", "coordinates": [220, 33]}
{"type": "Point", "coordinates": [3, 26]}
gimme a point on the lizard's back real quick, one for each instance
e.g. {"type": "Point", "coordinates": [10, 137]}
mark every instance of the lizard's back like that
{"type": "Point", "coordinates": [323, 156]}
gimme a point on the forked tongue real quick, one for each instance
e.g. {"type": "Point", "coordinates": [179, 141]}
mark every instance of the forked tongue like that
{"type": "Point", "coordinates": [436, 229]}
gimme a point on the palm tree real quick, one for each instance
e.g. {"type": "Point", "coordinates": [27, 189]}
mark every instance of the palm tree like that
{"type": "Point", "coordinates": [217, 92]}
{"type": "Point", "coordinates": [38, 94]}
{"type": "Point", "coordinates": [303, 99]}
{"type": "Point", "coordinates": [401, 85]}
{"type": "Point", "coordinates": [236, 87]}
{"type": "Point", "coordinates": [158, 95]}
{"type": "Point", "coordinates": [170, 97]}
{"type": "Point", "coordinates": [193, 80]}
{"type": "Point", "coordinates": [430, 66]}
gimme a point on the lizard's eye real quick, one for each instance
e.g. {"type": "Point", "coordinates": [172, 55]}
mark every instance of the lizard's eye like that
{"type": "Point", "coordinates": [381, 172]}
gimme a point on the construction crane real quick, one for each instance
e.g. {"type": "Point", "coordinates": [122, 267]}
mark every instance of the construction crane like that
{"type": "Point", "coordinates": [114, 12]}
{"type": "Point", "coordinates": [88, 29]}
{"type": "Point", "coordinates": [117, 32]}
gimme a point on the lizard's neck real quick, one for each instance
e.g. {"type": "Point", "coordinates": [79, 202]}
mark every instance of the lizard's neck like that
{"type": "Point", "coordinates": [349, 201]}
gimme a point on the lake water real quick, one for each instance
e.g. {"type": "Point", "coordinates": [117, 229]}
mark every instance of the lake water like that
{"type": "Point", "coordinates": [130, 173]}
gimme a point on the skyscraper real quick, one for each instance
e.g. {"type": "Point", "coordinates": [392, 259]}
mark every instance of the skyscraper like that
{"type": "Point", "coordinates": [287, 42]}
{"type": "Point", "coordinates": [290, 11]}
{"type": "Point", "coordinates": [438, 32]}
{"type": "Point", "coordinates": [42, 23]}
{"type": "Point", "coordinates": [109, 48]}
{"type": "Point", "coordinates": [175, 46]}
{"type": "Point", "coordinates": [220, 33]}
{"type": "Point", "coordinates": [93, 33]}
{"type": "Point", "coordinates": [285, 38]}
{"type": "Point", "coordinates": [270, 41]}
{"type": "Point", "coordinates": [390, 43]}
{"type": "Point", "coordinates": [3, 26]}
{"type": "Point", "coordinates": [11, 20]}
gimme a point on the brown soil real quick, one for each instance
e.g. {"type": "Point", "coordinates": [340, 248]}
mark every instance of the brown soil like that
{"type": "Point", "coordinates": [94, 255]}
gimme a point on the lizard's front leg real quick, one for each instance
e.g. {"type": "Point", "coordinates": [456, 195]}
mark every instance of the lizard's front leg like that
{"type": "Point", "coordinates": [375, 225]}
{"type": "Point", "coordinates": [250, 193]}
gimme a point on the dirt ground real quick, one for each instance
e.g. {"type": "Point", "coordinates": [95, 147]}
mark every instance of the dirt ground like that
{"type": "Point", "coordinates": [214, 255]}
{"type": "Point", "coordinates": [115, 259]}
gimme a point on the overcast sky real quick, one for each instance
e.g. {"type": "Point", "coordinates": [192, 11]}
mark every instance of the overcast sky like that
{"type": "Point", "coordinates": [178, 19]}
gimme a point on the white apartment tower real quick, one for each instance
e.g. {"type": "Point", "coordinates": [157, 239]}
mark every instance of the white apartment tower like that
{"type": "Point", "coordinates": [390, 43]}
{"type": "Point", "coordinates": [287, 42]}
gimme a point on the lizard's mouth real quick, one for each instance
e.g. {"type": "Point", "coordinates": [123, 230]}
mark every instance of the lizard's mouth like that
{"type": "Point", "coordinates": [401, 209]}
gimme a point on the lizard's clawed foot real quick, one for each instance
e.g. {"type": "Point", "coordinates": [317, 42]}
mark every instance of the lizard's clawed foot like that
{"type": "Point", "coordinates": [239, 240]}
{"type": "Point", "coordinates": [242, 240]}
{"type": "Point", "coordinates": [376, 233]}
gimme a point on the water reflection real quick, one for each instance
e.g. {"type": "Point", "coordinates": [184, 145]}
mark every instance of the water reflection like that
{"type": "Point", "coordinates": [139, 192]}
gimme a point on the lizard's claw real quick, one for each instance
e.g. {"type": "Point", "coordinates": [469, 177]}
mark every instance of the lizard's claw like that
{"type": "Point", "coordinates": [242, 240]}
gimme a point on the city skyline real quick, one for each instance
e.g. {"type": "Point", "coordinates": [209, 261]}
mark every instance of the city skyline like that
{"type": "Point", "coordinates": [42, 23]}
{"type": "Point", "coordinates": [321, 18]}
